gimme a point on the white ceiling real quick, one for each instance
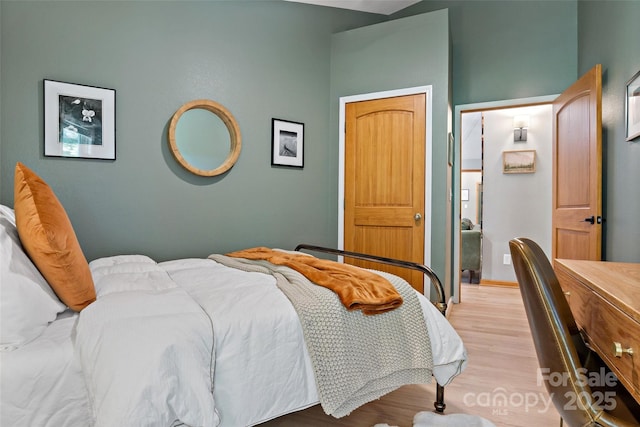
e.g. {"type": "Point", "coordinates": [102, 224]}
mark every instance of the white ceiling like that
{"type": "Point", "coordinates": [383, 7]}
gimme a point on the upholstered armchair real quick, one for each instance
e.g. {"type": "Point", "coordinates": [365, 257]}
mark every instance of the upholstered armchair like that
{"type": "Point", "coordinates": [471, 258]}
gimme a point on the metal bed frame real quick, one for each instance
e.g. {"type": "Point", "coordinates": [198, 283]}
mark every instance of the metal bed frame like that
{"type": "Point", "coordinates": [441, 302]}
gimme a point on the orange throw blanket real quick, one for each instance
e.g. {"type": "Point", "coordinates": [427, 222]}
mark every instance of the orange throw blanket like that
{"type": "Point", "coordinates": [357, 288]}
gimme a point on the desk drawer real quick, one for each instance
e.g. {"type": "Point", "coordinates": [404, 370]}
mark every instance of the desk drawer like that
{"type": "Point", "coordinates": [610, 326]}
{"type": "Point", "coordinates": [579, 297]}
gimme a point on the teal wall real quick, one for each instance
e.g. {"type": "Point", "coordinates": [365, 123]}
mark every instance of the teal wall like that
{"type": "Point", "coordinates": [509, 49]}
{"type": "Point", "coordinates": [519, 49]}
{"type": "Point", "coordinates": [260, 59]}
{"type": "Point", "coordinates": [402, 53]}
{"type": "Point", "coordinates": [609, 34]}
{"type": "Point", "coordinates": [264, 59]}
{"type": "Point", "coordinates": [506, 50]}
{"type": "Point", "coordinates": [0, 91]}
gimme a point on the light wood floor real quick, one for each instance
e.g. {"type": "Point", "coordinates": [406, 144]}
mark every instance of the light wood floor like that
{"type": "Point", "coordinates": [502, 363]}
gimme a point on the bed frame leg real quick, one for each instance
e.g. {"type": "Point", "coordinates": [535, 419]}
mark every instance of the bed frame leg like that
{"type": "Point", "coordinates": [439, 403]}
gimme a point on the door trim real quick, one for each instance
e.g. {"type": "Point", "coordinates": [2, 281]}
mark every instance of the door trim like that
{"type": "Point", "coordinates": [427, 90]}
{"type": "Point", "coordinates": [468, 108]}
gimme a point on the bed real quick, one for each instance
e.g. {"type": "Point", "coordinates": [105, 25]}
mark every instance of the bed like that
{"type": "Point", "coordinates": [196, 342]}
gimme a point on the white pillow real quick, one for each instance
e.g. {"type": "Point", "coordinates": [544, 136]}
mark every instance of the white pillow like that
{"type": "Point", "coordinates": [125, 273]}
{"type": "Point", "coordinates": [8, 213]}
{"type": "Point", "coordinates": [27, 303]}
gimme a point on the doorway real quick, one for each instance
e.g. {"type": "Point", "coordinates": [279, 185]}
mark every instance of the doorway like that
{"type": "Point", "coordinates": [471, 197]}
{"type": "Point", "coordinates": [384, 182]}
{"type": "Point", "coordinates": [419, 215]}
{"type": "Point", "coordinates": [502, 204]}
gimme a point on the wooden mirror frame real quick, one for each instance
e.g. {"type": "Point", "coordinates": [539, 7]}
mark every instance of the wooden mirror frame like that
{"type": "Point", "coordinates": [229, 121]}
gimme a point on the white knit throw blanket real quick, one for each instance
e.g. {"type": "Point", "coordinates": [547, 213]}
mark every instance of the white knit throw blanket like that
{"type": "Point", "coordinates": [356, 358]}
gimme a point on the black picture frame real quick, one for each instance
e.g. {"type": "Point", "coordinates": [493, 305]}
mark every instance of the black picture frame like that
{"type": "Point", "coordinates": [287, 143]}
{"type": "Point", "coordinates": [79, 121]}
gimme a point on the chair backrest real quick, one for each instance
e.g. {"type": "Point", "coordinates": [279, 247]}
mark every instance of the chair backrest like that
{"type": "Point", "coordinates": [471, 258]}
{"type": "Point", "coordinates": [557, 341]}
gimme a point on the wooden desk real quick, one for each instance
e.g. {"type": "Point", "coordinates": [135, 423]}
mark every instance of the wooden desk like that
{"type": "Point", "coordinates": [605, 300]}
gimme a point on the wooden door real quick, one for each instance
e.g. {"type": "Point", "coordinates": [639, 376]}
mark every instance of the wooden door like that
{"type": "Point", "coordinates": [385, 181]}
{"type": "Point", "coordinates": [577, 170]}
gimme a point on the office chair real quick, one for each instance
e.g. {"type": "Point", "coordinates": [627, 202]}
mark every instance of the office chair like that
{"type": "Point", "coordinates": [562, 350]}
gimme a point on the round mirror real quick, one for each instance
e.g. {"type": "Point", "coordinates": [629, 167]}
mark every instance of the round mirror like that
{"type": "Point", "coordinates": [204, 138]}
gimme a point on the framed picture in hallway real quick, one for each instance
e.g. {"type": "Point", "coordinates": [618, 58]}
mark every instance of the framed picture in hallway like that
{"type": "Point", "coordinates": [287, 143]}
{"type": "Point", "coordinates": [632, 108]}
{"type": "Point", "coordinates": [520, 161]}
{"type": "Point", "coordinates": [79, 121]}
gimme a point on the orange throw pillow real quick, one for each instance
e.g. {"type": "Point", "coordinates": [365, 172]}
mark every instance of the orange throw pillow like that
{"type": "Point", "coordinates": [48, 238]}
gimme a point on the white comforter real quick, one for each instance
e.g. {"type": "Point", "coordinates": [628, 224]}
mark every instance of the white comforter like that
{"type": "Point", "coordinates": [145, 348]}
{"type": "Point", "coordinates": [157, 333]}
{"type": "Point", "coordinates": [41, 383]}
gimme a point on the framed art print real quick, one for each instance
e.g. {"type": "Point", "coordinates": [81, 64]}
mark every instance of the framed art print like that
{"type": "Point", "coordinates": [521, 161]}
{"type": "Point", "coordinates": [287, 143]}
{"type": "Point", "coordinates": [632, 108]}
{"type": "Point", "coordinates": [79, 121]}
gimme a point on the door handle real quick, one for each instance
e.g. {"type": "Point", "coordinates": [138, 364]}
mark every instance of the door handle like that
{"type": "Point", "coordinates": [417, 217]}
{"type": "Point", "coordinates": [592, 219]}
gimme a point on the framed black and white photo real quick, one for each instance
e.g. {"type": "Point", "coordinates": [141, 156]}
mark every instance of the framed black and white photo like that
{"type": "Point", "coordinates": [287, 143]}
{"type": "Point", "coordinates": [79, 121]}
{"type": "Point", "coordinates": [632, 108]}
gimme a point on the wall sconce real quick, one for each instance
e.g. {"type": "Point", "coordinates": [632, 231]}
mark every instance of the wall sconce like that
{"type": "Point", "coordinates": [520, 125]}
